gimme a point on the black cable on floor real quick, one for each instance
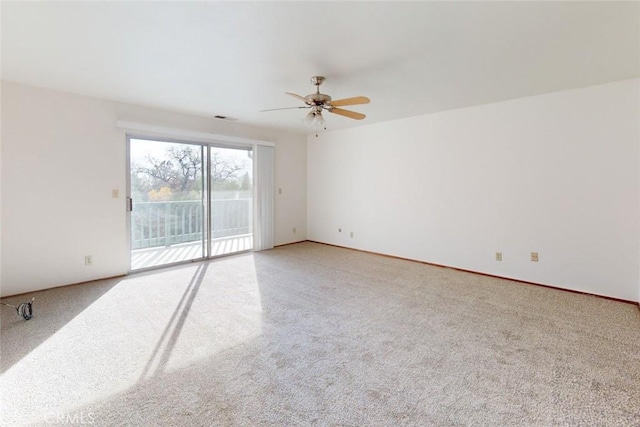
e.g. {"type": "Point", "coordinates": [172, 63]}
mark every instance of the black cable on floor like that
{"type": "Point", "coordinates": [25, 309]}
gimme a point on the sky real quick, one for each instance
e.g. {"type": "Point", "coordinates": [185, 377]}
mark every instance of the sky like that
{"type": "Point", "coordinates": [141, 148]}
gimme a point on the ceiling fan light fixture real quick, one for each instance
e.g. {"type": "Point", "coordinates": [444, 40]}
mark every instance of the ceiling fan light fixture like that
{"type": "Point", "coordinates": [310, 119]}
{"type": "Point", "coordinates": [315, 121]}
{"type": "Point", "coordinates": [319, 122]}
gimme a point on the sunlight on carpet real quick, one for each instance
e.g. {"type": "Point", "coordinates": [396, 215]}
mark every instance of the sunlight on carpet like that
{"type": "Point", "coordinates": [147, 325]}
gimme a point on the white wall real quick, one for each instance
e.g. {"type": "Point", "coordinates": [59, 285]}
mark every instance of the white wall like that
{"type": "Point", "coordinates": [291, 189]}
{"type": "Point", "coordinates": [557, 174]}
{"type": "Point", "coordinates": [1, 188]}
{"type": "Point", "coordinates": [61, 157]}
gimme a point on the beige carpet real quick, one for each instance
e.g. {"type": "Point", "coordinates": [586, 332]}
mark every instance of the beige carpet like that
{"type": "Point", "coordinates": [312, 335]}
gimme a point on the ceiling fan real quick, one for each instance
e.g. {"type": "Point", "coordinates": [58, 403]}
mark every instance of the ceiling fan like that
{"type": "Point", "coordinates": [318, 102]}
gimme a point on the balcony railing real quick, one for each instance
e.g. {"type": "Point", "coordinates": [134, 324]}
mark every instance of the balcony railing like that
{"type": "Point", "coordinates": [168, 223]}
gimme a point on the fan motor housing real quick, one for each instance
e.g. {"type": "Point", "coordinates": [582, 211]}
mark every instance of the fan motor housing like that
{"type": "Point", "coordinates": [319, 98]}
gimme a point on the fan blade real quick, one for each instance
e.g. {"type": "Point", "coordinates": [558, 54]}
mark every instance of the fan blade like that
{"type": "Point", "coordinates": [356, 100]}
{"type": "Point", "coordinates": [285, 108]}
{"type": "Point", "coordinates": [347, 113]}
{"type": "Point", "coordinates": [301, 98]}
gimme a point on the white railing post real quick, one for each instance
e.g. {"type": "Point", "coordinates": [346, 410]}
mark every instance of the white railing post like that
{"type": "Point", "coordinates": [167, 224]}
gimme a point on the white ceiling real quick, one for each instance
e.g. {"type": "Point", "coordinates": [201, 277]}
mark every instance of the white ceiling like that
{"type": "Point", "coordinates": [236, 58]}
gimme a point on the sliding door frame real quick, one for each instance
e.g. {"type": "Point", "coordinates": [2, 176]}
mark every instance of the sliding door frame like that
{"type": "Point", "coordinates": [205, 147]}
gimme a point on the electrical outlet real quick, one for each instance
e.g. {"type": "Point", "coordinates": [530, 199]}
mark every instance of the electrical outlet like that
{"type": "Point", "coordinates": [88, 260]}
{"type": "Point", "coordinates": [294, 230]}
{"type": "Point", "coordinates": [498, 256]}
{"type": "Point", "coordinates": [534, 256]}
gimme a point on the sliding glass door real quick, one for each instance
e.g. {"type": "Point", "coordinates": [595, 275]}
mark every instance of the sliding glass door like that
{"type": "Point", "coordinates": [188, 202]}
{"type": "Point", "coordinates": [231, 184]}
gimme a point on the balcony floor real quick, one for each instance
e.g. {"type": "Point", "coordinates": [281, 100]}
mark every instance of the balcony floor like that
{"type": "Point", "coordinates": [160, 255]}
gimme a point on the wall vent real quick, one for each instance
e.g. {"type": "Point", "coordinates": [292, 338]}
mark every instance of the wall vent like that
{"type": "Point", "coordinates": [219, 117]}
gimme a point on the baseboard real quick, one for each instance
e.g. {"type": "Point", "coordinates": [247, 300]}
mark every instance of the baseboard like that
{"type": "Point", "coordinates": [63, 286]}
{"type": "Point", "coordinates": [637, 303]}
{"type": "Point", "coordinates": [292, 243]}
